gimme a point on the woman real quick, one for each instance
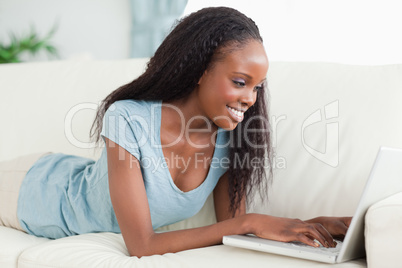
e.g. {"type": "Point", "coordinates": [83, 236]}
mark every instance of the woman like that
{"type": "Point", "coordinates": [195, 122]}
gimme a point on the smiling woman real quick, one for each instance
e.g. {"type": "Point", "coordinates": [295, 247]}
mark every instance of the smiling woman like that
{"type": "Point", "coordinates": [200, 102]}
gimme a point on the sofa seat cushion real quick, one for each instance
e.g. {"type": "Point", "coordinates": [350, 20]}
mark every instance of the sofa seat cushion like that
{"type": "Point", "coordinates": [13, 243]}
{"type": "Point", "coordinates": [382, 232]}
{"type": "Point", "coordinates": [108, 250]}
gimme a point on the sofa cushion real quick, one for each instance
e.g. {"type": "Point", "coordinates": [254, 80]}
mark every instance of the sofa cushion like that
{"type": "Point", "coordinates": [13, 243]}
{"type": "Point", "coordinates": [382, 232]}
{"type": "Point", "coordinates": [108, 250]}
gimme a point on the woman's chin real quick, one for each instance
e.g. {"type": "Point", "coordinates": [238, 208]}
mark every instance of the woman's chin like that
{"type": "Point", "coordinates": [224, 124]}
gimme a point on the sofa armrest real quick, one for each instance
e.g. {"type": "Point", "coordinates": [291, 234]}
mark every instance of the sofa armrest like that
{"type": "Point", "coordinates": [383, 233]}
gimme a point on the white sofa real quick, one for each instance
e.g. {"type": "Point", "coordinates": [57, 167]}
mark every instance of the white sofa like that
{"type": "Point", "coordinates": [328, 123]}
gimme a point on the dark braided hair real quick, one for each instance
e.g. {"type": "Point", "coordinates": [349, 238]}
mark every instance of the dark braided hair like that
{"type": "Point", "coordinates": [193, 46]}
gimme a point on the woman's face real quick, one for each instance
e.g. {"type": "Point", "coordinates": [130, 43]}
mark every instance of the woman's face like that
{"type": "Point", "coordinates": [230, 87]}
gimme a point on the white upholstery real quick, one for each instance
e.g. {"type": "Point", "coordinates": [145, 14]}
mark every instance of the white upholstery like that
{"type": "Point", "coordinates": [13, 243]}
{"type": "Point", "coordinates": [363, 102]}
{"type": "Point", "coordinates": [37, 97]}
{"type": "Point", "coordinates": [382, 233]}
{"type": "Point", "coordinates": [108, 250]}
{"type": "Point", "coordinates": [369, 107]}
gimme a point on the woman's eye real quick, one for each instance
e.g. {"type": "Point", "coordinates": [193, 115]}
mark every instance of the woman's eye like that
{"type": "Point", "coordinates": [239, 83]}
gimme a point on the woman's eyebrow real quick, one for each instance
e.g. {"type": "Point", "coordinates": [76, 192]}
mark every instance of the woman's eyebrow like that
{"type": "Point", "coordinates": [246, 75]}
{"type": "Point", "coordinates": [249, 76]}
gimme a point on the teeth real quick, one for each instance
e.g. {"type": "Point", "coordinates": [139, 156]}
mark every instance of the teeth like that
{"type": "Point", "coordinates": [236, 112]}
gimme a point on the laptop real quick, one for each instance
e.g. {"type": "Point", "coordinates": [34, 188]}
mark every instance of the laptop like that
{"type": "Point", "coordinates": [385, 179]}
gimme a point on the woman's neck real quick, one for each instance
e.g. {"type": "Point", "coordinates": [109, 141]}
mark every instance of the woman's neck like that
{"type": "Point", "coordinates": [187, 114]}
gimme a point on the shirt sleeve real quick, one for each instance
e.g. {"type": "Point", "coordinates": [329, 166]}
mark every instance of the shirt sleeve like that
{"type": "Point", "coordinates": [122, 129]}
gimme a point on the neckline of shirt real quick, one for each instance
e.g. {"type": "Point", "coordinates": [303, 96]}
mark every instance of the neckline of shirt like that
{"type": "Point", "coordinates": [174, 186]}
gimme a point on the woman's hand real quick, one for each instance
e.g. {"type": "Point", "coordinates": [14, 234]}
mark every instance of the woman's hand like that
{"type": "Point", "coordinates": [336, 226]}
{"type": "Point", "coordinates": [287, 230]}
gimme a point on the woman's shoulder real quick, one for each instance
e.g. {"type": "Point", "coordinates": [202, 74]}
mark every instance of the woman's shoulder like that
{"type": "Point", "coordinates": [130, 107]}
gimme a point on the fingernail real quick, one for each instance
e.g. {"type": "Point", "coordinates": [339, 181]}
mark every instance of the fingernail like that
{"type": "Point", "coordinates": [327, 244]}
{"type": "Point", "coordinates": [316, 244]}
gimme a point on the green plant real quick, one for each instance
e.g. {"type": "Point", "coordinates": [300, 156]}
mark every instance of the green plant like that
{"type": "Point", "coordinates": [31, 44]}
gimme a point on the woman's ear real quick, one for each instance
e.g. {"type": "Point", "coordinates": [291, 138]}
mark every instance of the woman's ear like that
{"type": "Point", "coordinates": [200, 81]}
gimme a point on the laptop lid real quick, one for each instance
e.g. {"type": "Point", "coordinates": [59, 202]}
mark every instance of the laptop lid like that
{"type": "Point", "coordinates": [385, 180]}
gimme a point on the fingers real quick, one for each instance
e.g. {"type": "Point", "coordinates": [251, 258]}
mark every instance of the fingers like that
{"type": "Point", "coordinates": [336, 226]}
{"type": "Point", "coordinates": [329, 240]}
{"type": "Point", "coordinates": [286, 230]}
{"type": "Point", "coordinates": [318, 232]}
{"type": "Point", "coordinates": [306, 239]}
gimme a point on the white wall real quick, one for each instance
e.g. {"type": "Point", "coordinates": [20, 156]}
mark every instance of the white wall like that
{"type": "Point", "coordinates": [98, 29]}
{"type": "Point", "coordinates": [344, 31]}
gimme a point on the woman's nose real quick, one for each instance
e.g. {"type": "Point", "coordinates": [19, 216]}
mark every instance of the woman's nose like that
{"type": "Point", "coordinates": [248, 98]}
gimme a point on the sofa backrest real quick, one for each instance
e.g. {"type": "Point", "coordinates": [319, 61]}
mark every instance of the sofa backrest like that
{"type": "Point", "coordinates": [50, 106]}
{"type": "Point", "coordinates": [328, 121]}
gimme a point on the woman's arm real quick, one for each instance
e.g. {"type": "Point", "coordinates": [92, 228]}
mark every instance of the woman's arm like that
{"type": "Point", "coordinates": [130, 203]}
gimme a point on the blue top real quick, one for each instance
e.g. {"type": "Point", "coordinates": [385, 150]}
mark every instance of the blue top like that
{"type": "Point", "coordinates": [65, 195]}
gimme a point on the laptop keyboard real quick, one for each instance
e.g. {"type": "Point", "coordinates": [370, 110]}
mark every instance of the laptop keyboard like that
{"type": "Point", "coordinates": [320, 248]}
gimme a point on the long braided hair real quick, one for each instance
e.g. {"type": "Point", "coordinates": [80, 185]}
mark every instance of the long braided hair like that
{"type": "Point", "coordinates": [194, 45]}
